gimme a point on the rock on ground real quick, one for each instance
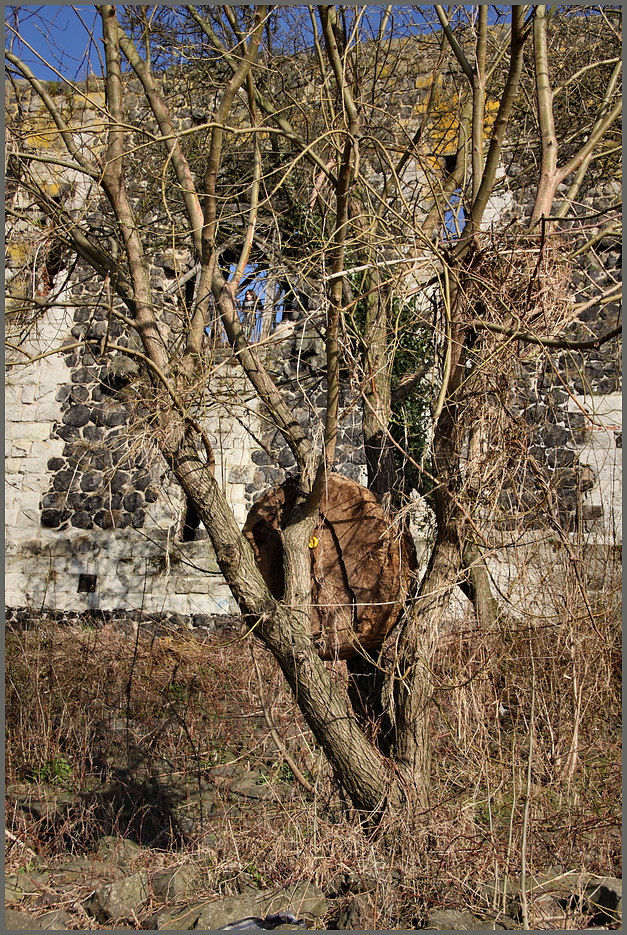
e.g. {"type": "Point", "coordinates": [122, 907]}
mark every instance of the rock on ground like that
{"type": "Point", "coordinates": [304, 900]}
{"type": "Point", "coordinates": [120, 899]}
{"type": "Point", "coordinates": [16, 921]}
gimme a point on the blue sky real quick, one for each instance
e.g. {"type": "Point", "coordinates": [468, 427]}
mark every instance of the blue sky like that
{"type": "Point", "coordinates": [60, 34]}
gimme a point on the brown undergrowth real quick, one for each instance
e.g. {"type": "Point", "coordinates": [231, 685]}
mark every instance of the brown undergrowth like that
{"type": "Point", "coordinates": [97, 717]}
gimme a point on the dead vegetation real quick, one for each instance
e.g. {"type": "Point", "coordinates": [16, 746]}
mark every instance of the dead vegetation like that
{"type": "Point", "coordinates": [157, 738]}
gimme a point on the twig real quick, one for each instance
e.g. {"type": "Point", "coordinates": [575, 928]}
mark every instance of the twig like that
{"type": "Point", "coordinates": [275, 736]}
{"type": "Point", "coordinates": [525, 825]}
{"type": "Point", "coordinates": [12, 837]}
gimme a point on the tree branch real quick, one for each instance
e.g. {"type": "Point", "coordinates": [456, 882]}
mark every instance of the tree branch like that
{"type": "Point", "coordinates": [114, 186]}
{"type": "Point", "coordinates": [65, 132]}
{"type": "Point", "coordinates": [562, 343]}
{"type": "Point", "coordinates": [261, 99]}
{"type": "Point", "coordinates": [169, 136]}
{"type": "Point", "coordinates": [454, 44]}
{"type": "Point", "coordinates": [498, 131]}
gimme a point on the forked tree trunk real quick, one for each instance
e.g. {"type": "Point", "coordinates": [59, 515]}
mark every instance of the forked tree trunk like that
{"type": "Point", "coordinates": [364, 773]}
{"type": "Point", "coordinates": [413, 681]}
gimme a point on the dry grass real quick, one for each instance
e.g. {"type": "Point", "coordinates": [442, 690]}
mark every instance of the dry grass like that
{"type": "Point", "coordinates": [89, 709]}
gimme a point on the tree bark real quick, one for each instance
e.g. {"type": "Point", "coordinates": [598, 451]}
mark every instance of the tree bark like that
{"type": "Point", "coordinates": [380, 457]}
{"type": "Point", "coordinates": [413, 681]}
{"type": "Point", "coordinates": [364, 773]}
{"type": "Point", "coordinates": [475, 583]}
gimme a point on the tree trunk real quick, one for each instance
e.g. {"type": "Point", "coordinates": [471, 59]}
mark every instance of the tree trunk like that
{"type": "Point", "coordinates": [413, 682]}
{"type": "Point", "coordinates": [377, 394]}
{"type": "Point", "coordinates": [360, 767]}
{"type": "Point", "coordinates": [475, 583]}
{"type": "Point", "coordinates": [365, 680]}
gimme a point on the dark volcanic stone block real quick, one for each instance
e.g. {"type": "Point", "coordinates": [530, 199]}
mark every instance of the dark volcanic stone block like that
{"type": "Point", "coordinates": [53, 501]}
{"type": "Point", "coordinates": [92, 433]}
{"type": "Point", "coordinates": [567, 479]}
{"type": "Point", "coordinates": [76, 500]}
{"type": "Point", "coordinates": [79, 394]}
{"type": "Point", "coordinates": [141, 480]}
{"type": "Point", "coordinates": [92, 504]}
{"type": "Point", "coordinates": [119, 480]}
{"type": "Point", "coordinates": [103, 519]}
{"type": "Point", "coordinates": [133, 501]}
{"type": "Point", "coordinates": [82, 520]}
{"type": "Point", "coordinates": [565, 457]}
{"type": "Point", "coordinates": [96, 462]}
{"type": "Point", "coordinates": [63, 480]}
{"type": "Point", "coordinates": [53, 518]}
{"type": "Point", "coordinates": [139, 517]}
{"type": "Point", "coordinates": [118, 451]}
{"type": "Point", "coordinates": [91, 481]}
{"type": "Point", "coordinates": [555, 436]}
{"type": "Point", "coordinates": [116, 417]}
{"type": "Point", "coordinates": [350, 470]}
{"type": "Point", "coordinates": [68, 433]}
{"type": "Point", "coordinates": [82, 376]}
{"type": "Point", "coordinates": [55, 464]}
{"type": "Point", "coordinates": [99, 415]}
{"type": "Point", "coordinates": [97, 329]}
{"type": "Point", "coordinates": [77, 416]}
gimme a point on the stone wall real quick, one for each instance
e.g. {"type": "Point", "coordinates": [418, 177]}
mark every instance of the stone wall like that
{"type": "Point", "coordinates": [96, 521]}
{"type": "Point", "coordinates": [574, 402]}
{"type": "Point", "coordinates": [93, 516]}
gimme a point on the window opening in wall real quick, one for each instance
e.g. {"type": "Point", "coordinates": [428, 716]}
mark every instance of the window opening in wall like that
{"type": "Point", "coordinates": [190, 523]}
{"type": "Point", "coordinates": [87, 584]}
{"type": "Point", "coordinates": [454, 217]}
{"type": "Point", "coordinates": [190, 289]}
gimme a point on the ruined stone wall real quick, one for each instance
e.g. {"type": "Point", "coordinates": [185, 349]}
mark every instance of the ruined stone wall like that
{"type": "Point", "coordinates": [573, 401]}
{"type": "Point", "coordinates": [93, 517]}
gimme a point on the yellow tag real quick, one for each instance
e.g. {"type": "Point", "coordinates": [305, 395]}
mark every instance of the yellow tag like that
{"type": "Point", "coordinates": [313, 542]}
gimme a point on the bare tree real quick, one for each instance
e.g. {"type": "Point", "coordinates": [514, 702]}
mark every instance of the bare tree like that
{"type": "Point", "coordinates": [373, 187]}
